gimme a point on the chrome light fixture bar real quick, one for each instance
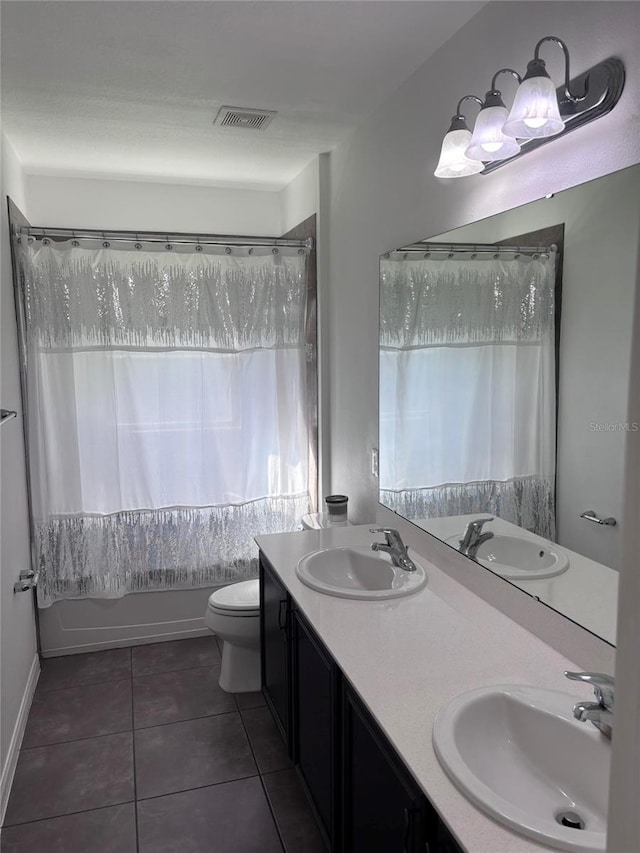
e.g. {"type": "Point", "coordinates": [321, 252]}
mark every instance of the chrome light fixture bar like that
{"type": "Point", "coordinates": [540, 112]}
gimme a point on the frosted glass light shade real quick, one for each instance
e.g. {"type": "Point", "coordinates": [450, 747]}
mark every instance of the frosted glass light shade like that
{"type": "Point", "coordinates": [535, 111]}
{"type": "Point", "coordinates": [489, 141]}
{"type": "Point", "coordinates": [453, 162]}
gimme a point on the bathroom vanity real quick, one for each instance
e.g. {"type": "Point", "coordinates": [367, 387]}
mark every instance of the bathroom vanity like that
{"type": "Point", "coordinates": [354, 687]}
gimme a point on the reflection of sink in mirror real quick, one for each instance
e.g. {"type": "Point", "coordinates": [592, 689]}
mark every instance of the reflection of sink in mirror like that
{"type": "Point", "coordinates": [358, 572]}
{"type": "Point", "coordinates": [516, 558]}
{"type": "Point", "coordinates": [519, 754]}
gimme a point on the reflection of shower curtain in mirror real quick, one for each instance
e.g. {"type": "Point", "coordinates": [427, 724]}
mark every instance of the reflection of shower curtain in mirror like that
{"type": "Point", "coordinates": [167, 411]}
{"type": "Point", "coordinates": [467, 388]}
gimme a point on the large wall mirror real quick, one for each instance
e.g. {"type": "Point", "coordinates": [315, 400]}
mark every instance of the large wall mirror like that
{"type": "Point", "coordinates": [505, 351]}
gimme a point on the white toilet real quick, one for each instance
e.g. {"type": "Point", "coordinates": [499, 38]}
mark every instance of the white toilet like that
{"type": "Point", "coordinates": [233, 613]}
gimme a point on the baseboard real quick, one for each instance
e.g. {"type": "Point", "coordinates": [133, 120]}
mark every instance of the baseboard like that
{"type": "Point", "coordinates": [129, 640]}
{"type": "Point", "coordinates": [11, 761]}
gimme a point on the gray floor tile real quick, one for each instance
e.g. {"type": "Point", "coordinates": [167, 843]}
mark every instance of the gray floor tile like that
{"type": "Point", "coordinates": [71, 777]}
{"type": "Point", "coordinates": [79, 712]}
{"type": "Point", "coordinates": [90, 668]}
{"type": "Point", "coordinates": [293, 816]}
{"type": "Point", "coordinates": [176, 654]}
{"type": "Point", "coordinates": [181, 695]}
{"type": "Point", "coordinates": [266, 742]}
{"type": "Point", "coordinates": [195, 753]}
{"type": "Point", "coordinates": [249, 700]}
{"type": "Point", "coordinates": [110, 830]}
{"type": "Point", "coordinates": [229, 818]}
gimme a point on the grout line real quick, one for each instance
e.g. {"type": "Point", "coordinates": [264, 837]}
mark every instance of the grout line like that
{"type": "Point", "coordinates": [197, 788]}
{"type": "Point", "coordinates": [69, 814]}
{"type": "Point", "coordinates": [76, 740]}
{"type": "Point", "coordinates": [264, 790]}
{"type": "Point", "coordinates": [187, 720]}
{"type": "Point", "coordinates": [215, 665]}
{"type": "Point", "coordinates": [121, 677]}
{"type": "Point", "coordinates": [133, 749]}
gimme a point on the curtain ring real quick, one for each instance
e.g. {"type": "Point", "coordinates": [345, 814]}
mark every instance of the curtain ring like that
{"type": "Point", "coordinates": [275, 250]}
{"type": "Point", "coordinates": [137, 246]}
{"type": "Point", "coordinates": [228, 250]}
{"type": "Point", "coordinates": [168, 247]}
{"type": "Point", "coordinates": [75, 244]}
{"type": "Point", "coordinates": [251, 251]}
{"type": "Point", "coordinates": [451, 255]}
{"type": "Point", "coordinates": [46, 241]}
{"type": "Point", "coordinates": [301, 251]}
{"type": "Point", "coordinates": [198, 247]}
{"type": "Point", "coordinates": [106, 244]}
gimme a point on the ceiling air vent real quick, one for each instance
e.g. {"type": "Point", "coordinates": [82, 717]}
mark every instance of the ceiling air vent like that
{"type": "Point", "coordinates": [244, 118]}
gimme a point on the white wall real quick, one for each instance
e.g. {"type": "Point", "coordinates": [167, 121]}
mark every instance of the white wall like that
{"type": "Point", "coordinates": [148, 206]}
{"type": "Point", "coordinates": [299, 199]}
{"type": "Point", "coordinates": [383, 194]}
{"type": "Point", "coordinates": [17, 626]}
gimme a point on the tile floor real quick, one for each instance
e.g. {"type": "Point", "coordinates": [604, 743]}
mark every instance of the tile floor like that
{"type": "Point", "coordinates": [138, 750]}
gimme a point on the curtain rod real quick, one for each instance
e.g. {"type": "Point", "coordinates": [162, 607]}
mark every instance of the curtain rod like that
{"type": "Point", "coordinates": [160, 237]}
{"type": "Point", "coordinates": [452, 248]}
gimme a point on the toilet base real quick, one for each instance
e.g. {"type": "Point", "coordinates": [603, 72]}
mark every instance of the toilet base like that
{"type": "Point", "coordinates": [240, 670]}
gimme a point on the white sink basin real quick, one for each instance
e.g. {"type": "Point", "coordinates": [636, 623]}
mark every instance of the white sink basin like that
{"type": "Point", "coordinates": [519, 754]}
{"type": "Point", "coordinates": [358, 572]}
{"type": "Point", "coordinates": [517, 558]}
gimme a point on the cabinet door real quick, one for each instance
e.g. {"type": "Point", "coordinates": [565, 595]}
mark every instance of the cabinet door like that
{"type": "Point", "coordinates": [315, 679]}
{"type": "Point", "coordinates": [384, 811]}
{"type": "Point", "coordinates": [275, 635]}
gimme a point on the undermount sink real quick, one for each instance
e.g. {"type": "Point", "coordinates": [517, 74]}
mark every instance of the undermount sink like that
{"type": "Point", "coordinates": [358, 572]}
{"type": "Point", "coordinates": [517, 558]}
{"type": "Point", "coordinates": [519, 754]}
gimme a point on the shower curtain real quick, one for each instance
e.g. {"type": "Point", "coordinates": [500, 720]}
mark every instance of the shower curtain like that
{"type": "Point", "coordinates": [166, 409]}
{"type": "Point", "coordinates": [467, 387]}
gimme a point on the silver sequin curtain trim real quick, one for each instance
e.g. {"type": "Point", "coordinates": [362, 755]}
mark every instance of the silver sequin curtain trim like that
{"type": "Point", "coordinates": [109, 556]}
{"type": "Point", "coordinates": [429, 302]}
{"type": "Point", "coordinates": [74, 297]}
{"type": "Point", "coordinates": [528, 502]}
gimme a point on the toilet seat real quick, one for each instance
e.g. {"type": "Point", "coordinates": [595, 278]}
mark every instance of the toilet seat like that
{"type": "Point", "coordinates": [238, 599]}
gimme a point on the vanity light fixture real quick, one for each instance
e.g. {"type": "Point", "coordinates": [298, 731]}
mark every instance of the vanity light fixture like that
{"type": "Point", "coordinates": [489, 142]}
{"type": "Point", "coordinates": [539, 113]}
{"type": "Point", "coordinates": [453, 162]}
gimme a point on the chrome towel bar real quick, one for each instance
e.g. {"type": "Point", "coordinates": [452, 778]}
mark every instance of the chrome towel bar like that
{"type": "Point", "coordinates": [591, 516]}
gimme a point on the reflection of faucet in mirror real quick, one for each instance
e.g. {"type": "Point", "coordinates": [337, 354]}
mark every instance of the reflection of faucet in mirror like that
{"type": "Point", "coordinates": [599, 713]}
{"type": "Point", "coordinates": [395, 547]}
{"type": "Point", "coordinates": [474, 537]}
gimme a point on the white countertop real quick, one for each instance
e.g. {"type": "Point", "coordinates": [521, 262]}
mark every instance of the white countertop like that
{"type": "Point", "coordinates": [407, 657]}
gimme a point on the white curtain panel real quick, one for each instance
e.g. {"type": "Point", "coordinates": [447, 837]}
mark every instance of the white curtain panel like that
{"type": "Point", "coordinates": [166, 412]}
{"type": "Point", "coordinates": [467, 388]}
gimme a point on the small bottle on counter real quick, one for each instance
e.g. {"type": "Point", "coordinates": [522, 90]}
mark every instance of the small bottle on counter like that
{"type": "Point", "coordinates": [336, 509]}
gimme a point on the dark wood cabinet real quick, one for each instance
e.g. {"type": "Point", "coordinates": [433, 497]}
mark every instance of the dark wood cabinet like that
{"type": "Point", "coordinates": [315, 677]}
{"type": "Point", "coordinates": [363, 797]}
{"type": "Point", "coordinates": [275, 638]}
{"type": "Point", "coordinates": [384, 811]}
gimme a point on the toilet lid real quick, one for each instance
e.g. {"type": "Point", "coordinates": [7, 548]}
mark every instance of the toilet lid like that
{"type": "Point", "coordinates": [237, 596]}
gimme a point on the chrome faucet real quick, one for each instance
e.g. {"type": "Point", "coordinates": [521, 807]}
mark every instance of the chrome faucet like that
{"type": "Point", "coordinates": [395, 547]}
{"type": "Point", "coordinates": [474, 537]}
{"type": "Point", "coordinates": [599, 713]}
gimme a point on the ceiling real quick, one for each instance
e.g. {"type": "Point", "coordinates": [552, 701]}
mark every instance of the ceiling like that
{"type": "Point", "coordinates": [103, 88]}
